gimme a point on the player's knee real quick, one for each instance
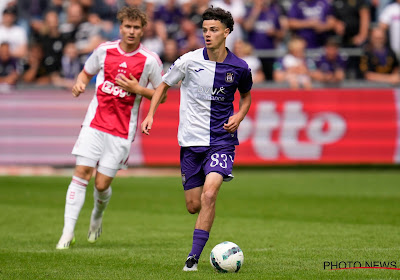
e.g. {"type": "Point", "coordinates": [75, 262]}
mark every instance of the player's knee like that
{"type": "Point", "coordinates": [193, 207]}
{"type": "Point", "coordinates": [83, 173]}
{"type": "Point", "coordinates": [101, 186]}
{"type": "Point", "coordinates": [209, 197]}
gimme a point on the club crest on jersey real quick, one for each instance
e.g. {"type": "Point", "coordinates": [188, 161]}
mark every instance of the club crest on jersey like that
{"type": "Point", "coordinates": [229, 77]}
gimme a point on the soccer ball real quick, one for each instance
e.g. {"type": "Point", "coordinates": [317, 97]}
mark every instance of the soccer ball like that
{"type": "Point", "coordinates": [226, 257]}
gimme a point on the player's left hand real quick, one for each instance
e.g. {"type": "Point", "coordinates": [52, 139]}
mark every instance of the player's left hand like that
{"type": "Point", "coordinates": [233, 124]}
{"type": "Point", "coordinates": [129, 85]}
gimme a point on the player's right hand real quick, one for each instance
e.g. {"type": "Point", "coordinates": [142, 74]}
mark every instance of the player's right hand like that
{"type": "Point", "coordinates": [78, 88]}
{"type": "Point", "coordinates": [146, 125]}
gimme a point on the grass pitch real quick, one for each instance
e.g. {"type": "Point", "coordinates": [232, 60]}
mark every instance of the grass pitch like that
{"type": "Point", "coordinates": [287, 222]}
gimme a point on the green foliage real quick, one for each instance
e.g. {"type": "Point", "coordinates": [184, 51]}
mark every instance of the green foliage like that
{"type": "Point", "coordinates": [287, 222]}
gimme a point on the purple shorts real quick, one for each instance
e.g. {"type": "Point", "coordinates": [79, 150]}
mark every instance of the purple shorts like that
{"type": "Point", "coordinates": [197, 162]}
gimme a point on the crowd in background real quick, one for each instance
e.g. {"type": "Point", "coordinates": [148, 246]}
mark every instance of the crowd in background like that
{"type": "Point", "coordinates": [297, 42]}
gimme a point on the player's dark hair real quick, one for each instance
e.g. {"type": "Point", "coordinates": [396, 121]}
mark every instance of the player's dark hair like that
{"type": "Point", "coordinates": [221, 15]}
{"type": "Point", "coordinates": [131, 13]}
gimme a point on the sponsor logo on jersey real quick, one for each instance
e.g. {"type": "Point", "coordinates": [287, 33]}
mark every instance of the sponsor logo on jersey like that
{"type": "Point", "coordinates": [198, 70]}
{"type": "Point", "coordinates": [123, 65]}
{"type": "Point", "coordinates": [208, 93]}
{"type": "Point", "coordinates": [115, 90]}
{"type": "Point", "coordinates": [229, 77]}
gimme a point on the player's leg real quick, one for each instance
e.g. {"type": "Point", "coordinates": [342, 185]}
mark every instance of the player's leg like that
{"type": "Point", "coordinates": [115, 154]}
{"type": "Point", "coordinates": [217, 164]}
{"type": "Point", "coordinates": [193, 178]}
{"type": "Point", "coordinates": [75, 199]}
{"type": "Point", "coordinates": [101, 196]}
{"type": "Point", "coordinates": [88, 149]}
{"type": "Point", "coordinates": [193, 200]}
{"type": "Point", "coordinates": [205, 218]}
{"type": "Point", "coordinates": [208, 199]}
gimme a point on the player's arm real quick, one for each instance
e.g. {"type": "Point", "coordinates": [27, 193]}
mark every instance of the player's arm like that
{"type": "Point", "coordinates": [235, 120]}
{"type": "Point", "coordinates": [82, 81]}
{"type": "Point", "coordinates": [131, 84]}
{"type": "Point", "coordinates": [159, 94]}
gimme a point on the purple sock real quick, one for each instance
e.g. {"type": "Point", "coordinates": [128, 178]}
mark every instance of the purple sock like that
{"type": "Point", "coordinates": [200, 238]}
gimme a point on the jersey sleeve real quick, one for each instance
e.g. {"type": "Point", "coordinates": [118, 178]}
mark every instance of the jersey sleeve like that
{"type": "Point", "coordinates": [176, 72]}
{"type": "Point", "coordinates": [246, 81]}
{"type": "Point", "coordinates": [155, 75]}
{"type": "Point", "coordinates": [92, 64]}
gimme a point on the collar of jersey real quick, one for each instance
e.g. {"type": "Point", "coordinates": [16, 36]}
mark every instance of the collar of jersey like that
{"type": "Point", "coordinates": [227, 58]}
{"type": "Point", "coordinates": [130, 53]}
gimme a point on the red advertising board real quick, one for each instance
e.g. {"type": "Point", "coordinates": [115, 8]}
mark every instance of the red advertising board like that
{"type": "Point", "coordinates": [329, 126]}
{"type": "Point", "coordinates": [284, 126]}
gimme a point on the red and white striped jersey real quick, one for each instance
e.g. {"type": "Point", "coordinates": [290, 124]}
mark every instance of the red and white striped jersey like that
{"type": "Point", "coordinates": [112, 109]}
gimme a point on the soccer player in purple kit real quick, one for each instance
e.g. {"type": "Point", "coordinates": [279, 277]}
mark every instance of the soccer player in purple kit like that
{"type": "Point", "coordinates": [207, 130]}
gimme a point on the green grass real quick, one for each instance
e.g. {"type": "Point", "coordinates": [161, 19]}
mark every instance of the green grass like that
{"type": "Point", "coordinates": [287, 222]}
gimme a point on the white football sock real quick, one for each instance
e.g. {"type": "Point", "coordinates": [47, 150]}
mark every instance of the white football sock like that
{"type": "Point", "coordinates": [101, 200]}
{"type": "Point", "coordinates": [73, 204]}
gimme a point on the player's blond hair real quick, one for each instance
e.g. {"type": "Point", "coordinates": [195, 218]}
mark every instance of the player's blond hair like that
{"type": "Point", "coordinates": [131, 13]}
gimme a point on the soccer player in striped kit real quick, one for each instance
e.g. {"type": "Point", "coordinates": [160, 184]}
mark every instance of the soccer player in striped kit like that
{"type": "Point", "coordinates": [208, 126]}
{"type": "Point", "coordinates": [124, 68]}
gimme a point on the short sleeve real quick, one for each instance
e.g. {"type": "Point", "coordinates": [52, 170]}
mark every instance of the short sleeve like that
{"type": "Point", "coordinates": [176, 72]}
{"type": "Point", "coordinates": [246, 81]}
{"type": "Point", "coordinates": [92, 64]}
{"type": "Point", "coordinates": [155, 76]}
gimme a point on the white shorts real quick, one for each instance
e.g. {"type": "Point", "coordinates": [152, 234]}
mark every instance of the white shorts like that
{"type": "Point", "coordinates": [108, 150]}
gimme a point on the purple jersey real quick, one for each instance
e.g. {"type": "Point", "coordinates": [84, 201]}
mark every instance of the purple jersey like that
{"type": "Point", "coordinates": [207, 93]}
{"type": "Point", "coordinates": [268, 19]}
{"type": "Point", "coordinates": [311, 9]}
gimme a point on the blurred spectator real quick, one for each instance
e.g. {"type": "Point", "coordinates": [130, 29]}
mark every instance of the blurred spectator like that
{"type": "Point", "coordinates": [35, 70]}
{"type": "Point", "coordinates": [245, 51]}
{"type": "Point", "coordinates": [52, 41]}
{"type": "Point", "coordinates": [59, 7]}
{"type": "Point", "coordinates": [189, 37]}
{"type": "Point", "coordinates": [85, 35]}
{"type": "Point", "coordinates": [377, 7]}
{"type": "Point", "coordinates": [352, 21]}
{"type": "Point", "coordinates": [194, 11]}
{"type": "Point", "coordinates": [170, 54]}
{"type": "Point", "coordinates": [103, 13]}
{"type": "Point", "coordinates": [311, 20]}
{"type": "Point", "coordinates": [238, 11]}
{"type": "Point", "coordinates": [294, 68]}
{"type": "Point", "coordinates": [8, 68]}
{"type": "Point", "coordinates": [352, 24]}
{"type": "Point", "coordinates": [70, 67]}
{"type": "Point", "coordinates": [379, 63]}
{"type": "Point", "coordinates": [330, 65]}
{"type": "Point", "coordinates": [167, 20]}
{"type": "Point", "coordinates": [31, 14]}
{"type": "Point", "coordinates": [5, 4]}
{"type": "Point", "coordinates": [264, 30]}
{"type": "Point", "coordinates": [13, 34]}
{"type": "Point", "coordinates": [151, 40]}
{"type": "Point", "coordinates": [390, 19]}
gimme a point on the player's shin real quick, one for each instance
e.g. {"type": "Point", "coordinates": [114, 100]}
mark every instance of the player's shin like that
{"type": "Point", "coordinates": [200, 238]}
{"type": "Point", "coordinates": [101, 200]}
{"type": "Point", "coordinates": [73, 204]}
